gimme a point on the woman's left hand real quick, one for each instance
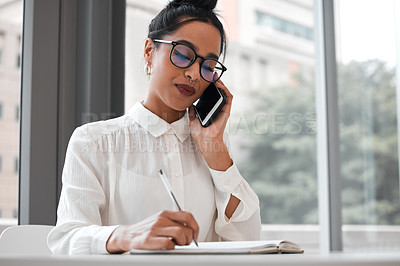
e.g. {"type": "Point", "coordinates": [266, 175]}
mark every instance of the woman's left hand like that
{"type": "Point", "coordinates": [210, 139]}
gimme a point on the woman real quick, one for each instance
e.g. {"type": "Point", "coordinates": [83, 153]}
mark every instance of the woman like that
{"type": "Point", "coordinates": [112, 198]}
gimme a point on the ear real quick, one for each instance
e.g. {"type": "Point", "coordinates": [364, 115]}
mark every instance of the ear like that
{"type": "Point", "coordinates": [149, 48]}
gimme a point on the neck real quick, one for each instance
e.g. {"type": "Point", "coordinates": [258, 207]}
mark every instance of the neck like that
{"type": "Point", "coordinates": [167, 114]}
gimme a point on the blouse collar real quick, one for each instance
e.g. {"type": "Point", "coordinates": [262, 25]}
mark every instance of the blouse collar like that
{"type": "Point", "coordinates": [156, 126]}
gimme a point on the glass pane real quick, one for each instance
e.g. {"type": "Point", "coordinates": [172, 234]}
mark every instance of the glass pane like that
{"type": "Point", "coordinates": [270, 60]}
{"type": "Point", "coordinates": [366, 57]}
{"type": "Point", "coordinates": [10, 75]}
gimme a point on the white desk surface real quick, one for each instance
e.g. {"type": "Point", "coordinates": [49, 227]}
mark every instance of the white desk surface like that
{"type": "Point", "coordinates": [341, 259]}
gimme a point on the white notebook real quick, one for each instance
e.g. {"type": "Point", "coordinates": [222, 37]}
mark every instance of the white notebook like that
{"type": "Point", "coordinates": [230, 247]}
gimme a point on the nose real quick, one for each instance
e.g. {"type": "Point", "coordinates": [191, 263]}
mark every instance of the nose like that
{"type": "Point", "coordinates": [193, 72]}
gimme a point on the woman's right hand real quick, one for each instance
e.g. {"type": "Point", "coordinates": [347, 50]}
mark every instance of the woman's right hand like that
{"type": "Point", "coordinates": [163, 230]}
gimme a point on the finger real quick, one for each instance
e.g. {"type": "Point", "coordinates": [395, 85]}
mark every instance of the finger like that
{"type": "Point", "coordinates": [183, 217]}
{"type": "Point", "coordinates": [222, 86]}
{"type": "Point", "coordinates": [158, 243]}
{"type": "Point", "coordinates": [194, 122]}
{"type": "Point", "coordinates": [192, 113]}
{"type": "Point", "coordinates": [182, 235]}
{"type": "Point", "coordinates": [176, 232]}
{"type": "Point", "coordinates": [228, 94]}
{"type": "Point", "coordinates": [188, 220]}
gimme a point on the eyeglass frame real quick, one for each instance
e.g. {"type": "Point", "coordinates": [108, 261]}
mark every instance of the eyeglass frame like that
{"type": "Point", "coordinates": [174, 44]}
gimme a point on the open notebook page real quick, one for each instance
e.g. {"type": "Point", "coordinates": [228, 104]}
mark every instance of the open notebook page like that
{"type": "Point", "coordinates": [230, 247]}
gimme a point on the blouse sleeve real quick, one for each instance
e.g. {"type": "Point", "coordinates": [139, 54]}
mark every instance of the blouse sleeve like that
{"type": "Point", "coordinates": [245, 223]}
{"type": "Point", "coordinates": [79, 227]}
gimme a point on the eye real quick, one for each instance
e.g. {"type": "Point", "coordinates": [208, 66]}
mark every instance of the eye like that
{"type": "Point", "coordinates": [208, 68]}
{"type": "Point", "coordinates": [210, 65]}
{"type": "Point", "coordinates": [181, 56]}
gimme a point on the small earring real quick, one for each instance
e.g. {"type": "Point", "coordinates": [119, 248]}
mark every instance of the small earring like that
{"type": "Point", "coordinates": [148, 69]}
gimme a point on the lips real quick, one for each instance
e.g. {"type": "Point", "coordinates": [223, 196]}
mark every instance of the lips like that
{"type": "Point", "coordinates": [186, 90]}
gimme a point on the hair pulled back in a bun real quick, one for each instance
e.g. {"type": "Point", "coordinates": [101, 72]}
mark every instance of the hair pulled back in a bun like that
{"type": "Point", "coordinates": [207, 4]}
{"type": "Point", "coordinates": [180, 12]}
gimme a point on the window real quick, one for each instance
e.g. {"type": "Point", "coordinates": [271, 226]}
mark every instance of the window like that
{"type": "Point", "coordinates": [16, 165]}
{"type": "Point", "coordinates": [272, 125]}
{"type": "Point", "coordinates": [271, 22]}
{"type": "Point", "coordinates": [1, 46]}
{"type": "Point", "coordinates": [10, 32]}
{"type": "Point", "coordinates": [261, 78]}
{"type": "Point", "coordinates": [19, 53]}
{"type": "Point", "coordinates": [368, 124]}
{"type": "Point", "coordinates": [245, 62]}
{"type": "Point", "coordinates": [17, 113]}
{"type": "Point", "coordinates": [284, 172]}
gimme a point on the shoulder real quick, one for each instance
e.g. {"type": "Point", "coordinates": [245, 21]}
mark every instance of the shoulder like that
{"type": "Point", "coordinates": [95, 131]}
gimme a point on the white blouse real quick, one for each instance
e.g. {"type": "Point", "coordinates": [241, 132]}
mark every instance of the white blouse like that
{"type": "Point", "coordinates": [110, 178]}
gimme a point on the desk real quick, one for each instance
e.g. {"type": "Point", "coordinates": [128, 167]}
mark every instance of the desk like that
{"type": "Point", "coordinates": [271, 259]}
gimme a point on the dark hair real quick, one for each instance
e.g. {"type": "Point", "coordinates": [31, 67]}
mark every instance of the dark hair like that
{"type": "Point", "coordinates": [170, 18]}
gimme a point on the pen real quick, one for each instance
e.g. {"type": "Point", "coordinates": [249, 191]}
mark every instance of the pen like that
{"type": "Point", "coordinates": [170, 192]}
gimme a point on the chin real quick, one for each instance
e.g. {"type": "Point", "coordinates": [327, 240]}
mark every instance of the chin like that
{"type": "Point", "coordinates": [181, 109]}
{"type": "Point", "coordinates": [182, 106]}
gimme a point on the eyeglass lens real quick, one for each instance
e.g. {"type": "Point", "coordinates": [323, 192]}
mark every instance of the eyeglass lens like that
{"type": "Point", "coordinates": [183, 56]}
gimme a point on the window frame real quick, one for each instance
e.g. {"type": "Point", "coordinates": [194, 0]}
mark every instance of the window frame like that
{"type": "Point", "coordinates": [328, 142]}
{"type": "Point", "coordinates": [61, 83]}
{"type": "Point", "coordinates": [397, 28]}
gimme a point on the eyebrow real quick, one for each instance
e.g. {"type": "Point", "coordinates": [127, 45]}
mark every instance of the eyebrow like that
{"type": "Point", "coordinates": [191, 45]}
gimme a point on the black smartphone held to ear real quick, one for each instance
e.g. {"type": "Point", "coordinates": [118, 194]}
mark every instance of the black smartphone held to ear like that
{"type": "Point", "coordinates": [209, 105]}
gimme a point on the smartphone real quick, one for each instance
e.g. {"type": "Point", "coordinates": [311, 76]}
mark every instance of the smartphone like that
{"type": "Point", "coordinates": [209, 105]}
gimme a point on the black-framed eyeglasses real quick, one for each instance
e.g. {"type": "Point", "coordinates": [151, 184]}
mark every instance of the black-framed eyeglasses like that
{"type": "Point", "coordinates": [183, 56]}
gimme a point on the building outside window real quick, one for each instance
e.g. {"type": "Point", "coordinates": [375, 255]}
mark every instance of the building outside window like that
{"type": "Point", "coordinates": [1, 46]}
{"type": "Point", "coordinates": [268, 21]}
{"type": "Point", "coordinates": [10, 45]}
{"type": "Point", "coordinates": [17, 113]}
{"type": "Point", "coordinates": [16, 165]}
{"type": "Point", "coordinates": [19, 54]}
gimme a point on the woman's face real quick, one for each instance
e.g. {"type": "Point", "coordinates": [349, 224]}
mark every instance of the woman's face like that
{"type": "Point", "coordinates": [168, 83]}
